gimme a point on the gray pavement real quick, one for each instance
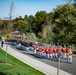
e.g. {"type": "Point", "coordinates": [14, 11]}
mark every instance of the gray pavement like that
{"type": "Point", "coordinates": [41, 66]}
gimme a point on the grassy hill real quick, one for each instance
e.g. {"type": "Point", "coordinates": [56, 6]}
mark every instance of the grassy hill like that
{"type": "Point", "coordinates": [15, 67]}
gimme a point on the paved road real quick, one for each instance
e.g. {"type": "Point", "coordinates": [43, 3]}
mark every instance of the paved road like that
{"type": "Point", "coordinates": [33, 62]}
{"type": "Point", "coordinates": [70, 68]}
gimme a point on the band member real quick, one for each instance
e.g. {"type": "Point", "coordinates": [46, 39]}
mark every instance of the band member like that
{"type": "Point", "coordinates": [55, 51]}
{"type": "Point", "coordinates": [69, 55]}
{"type": "Point", "coordinates": [51, 53]}
{"type": "Point", "coordinates": [64, 53]}
{"type": "Point", "coordinates": [44, 52]}
{"type": "Point", "coordinates": [35, 49]}
{"type": "Point", "coordinates": [60, 50]}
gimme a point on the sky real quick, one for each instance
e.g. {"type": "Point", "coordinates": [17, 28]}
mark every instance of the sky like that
{"type": "Point", "coordinates": [28, 7]}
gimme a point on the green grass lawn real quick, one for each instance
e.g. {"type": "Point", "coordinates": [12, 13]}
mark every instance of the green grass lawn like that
{"type": "Point", "coordinates": [16, 67]}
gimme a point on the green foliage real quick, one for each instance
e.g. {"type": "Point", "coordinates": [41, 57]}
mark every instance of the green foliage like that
{"type": "Point", "coordinates": [50, 37]}
{"type": "Point", "coordinates": [40, 18]}
{"type": "Point", "coordinates": [65, 19]}
{"type": "Point", "coordinates": [3, 33]}
{"type": "Point", "coordinates": [3, 25]}
{"type": "Point", "coordinates": [21, 25]}
{"type": "Point", "coordinates": [1, 22]}
{"type": "Point", "coordinates": [31, 22]}
{"type": "Point", "coordinates": [0, 38]}
{"type": "Point", "coordinates": [31, 36]}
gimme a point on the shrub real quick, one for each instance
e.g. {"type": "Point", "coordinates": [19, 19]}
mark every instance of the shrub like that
{"type": "Point", "coordinates": [31, 36]}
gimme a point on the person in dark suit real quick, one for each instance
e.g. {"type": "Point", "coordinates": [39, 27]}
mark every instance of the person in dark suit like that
{"type": "Point", "coordinates": [2, 44]}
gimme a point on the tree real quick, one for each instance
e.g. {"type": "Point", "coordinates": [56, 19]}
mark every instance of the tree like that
{"type": "Point", "coordinates": [73, 2]}
{"type": "Point", "coordinates": [31, 36]}
{"type": "Point", "coordinates": [31, 22]}
{"type": "Point", "coordinates": [21, 26]}
{"type": "Point", "coordinates": [1, 22]}
{"type": "Point", "coordinates": [4, 25]}
{"type": "Point", "coordinates": [50, 37]}
{"type": "Point", "coordinates": [65, 21]}
{"type": "Point", "coordinates": [25, 17]}
{"type": "Point", "coordinates": [40, 19]}
{"type": "Point", "coordinates": [11, 10]}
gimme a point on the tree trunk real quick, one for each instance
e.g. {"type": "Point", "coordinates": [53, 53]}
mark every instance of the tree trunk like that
{"type": "Point", "coordinates": [44, 31]}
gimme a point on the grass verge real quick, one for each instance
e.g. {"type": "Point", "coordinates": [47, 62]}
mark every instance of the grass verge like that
{"type": "Point", "coordinates": [17, 67]}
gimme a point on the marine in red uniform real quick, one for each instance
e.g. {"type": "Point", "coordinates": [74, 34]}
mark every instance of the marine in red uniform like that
{"type": "Point", "coordinates": [69, 55]}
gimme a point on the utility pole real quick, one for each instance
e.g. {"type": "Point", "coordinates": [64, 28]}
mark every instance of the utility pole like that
{"type": "Point", "coordinates": [6, 50]}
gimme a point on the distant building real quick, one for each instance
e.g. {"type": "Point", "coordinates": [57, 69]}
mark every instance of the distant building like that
{"type": "Point", "coordinates": [5, 18]}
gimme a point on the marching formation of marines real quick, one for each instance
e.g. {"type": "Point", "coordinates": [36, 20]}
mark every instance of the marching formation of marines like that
{"type": "Point", "coordinates": [54, 52]}
{"type": "Point", "coordinates": [49, 52]}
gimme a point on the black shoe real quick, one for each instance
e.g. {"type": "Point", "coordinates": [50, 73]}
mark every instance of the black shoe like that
{"type": "Point", "coordinates": [70, 63]}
